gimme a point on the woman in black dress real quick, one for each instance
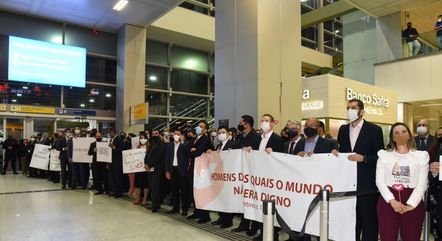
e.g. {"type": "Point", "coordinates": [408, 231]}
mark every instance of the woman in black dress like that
{"type": "Point", "coordinates": [141, 180]}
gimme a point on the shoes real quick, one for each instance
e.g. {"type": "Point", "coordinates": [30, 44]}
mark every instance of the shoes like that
{"type": "Point", "coordinates": [251, 232]}
{"type": "Point", "coordinates": [98, 193]}
{"type": "Point", "coordinates": [240, 229]}
{"type": "Point", "coordinates": [3, 173]}
{"type": "Point", "coordinates": [15, 173]}
{"type": "Point", "coordinates": [217, 222]}
{"type": "Point", "coordinates": [73, 188]}
{"type": "Point", "coordinates": [154, 210]}
{"type": "Point", "coordinates": [203, 220]}
{"type": "Point", "coordinates": [192, 217]}
{"type": "Point", "coordinates": [226, 225]}
{"type": "Point", "coordinates": [63, 187]}
{"type": "Point", "coordinates": [184, 214]}
{"type": "Point", "coordinates": [257, 238]}
{"type": "Point", "coordinates": [172, 211]}
{"type": "Point", "coordinates": [118, 196]}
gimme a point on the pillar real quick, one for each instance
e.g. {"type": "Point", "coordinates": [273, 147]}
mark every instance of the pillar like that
{"type": "Point", "coordinates": [405, 114]}
{"type": "Point", "coordinates": [257, 60]}
{"type": "Point", "coordinates": [131, 71]}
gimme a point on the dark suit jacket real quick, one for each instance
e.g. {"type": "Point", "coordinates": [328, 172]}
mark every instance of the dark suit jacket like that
{"type": "Point", "coordinates": [183, 155]}
{"type": "Point", "coordinates": [287, 146]}
{"type": "Point", "coordinates": [322, 146]}
{"type": "Point", "coordinates": [275, 142]}
{"type": "Point", "coordinates": [369, 142]}
{"type": "Point", "coordinates": [61, 145]}
{"type": "Point", "coordinates": [155, 157]}
{"type": "Point", "coordinates": [202, 145]}
{"type": "Point", "coordinates": [426, 147]}
{"type": "Point", "coordinates": [251, 140]}
{"type": "Point", "coordinates": [229, 145]}
{"type": "Point", "coordinates": [117, 151]}
{"type": "Point", "coordinates": [92, 153]}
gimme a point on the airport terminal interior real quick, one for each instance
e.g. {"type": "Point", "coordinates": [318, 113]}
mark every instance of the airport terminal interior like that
{"type": "Point", "coordinates": [173, 88]}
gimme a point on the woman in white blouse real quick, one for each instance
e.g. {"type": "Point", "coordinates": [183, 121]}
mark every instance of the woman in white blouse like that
{"type": "Point", "coordinates": [401, 177]}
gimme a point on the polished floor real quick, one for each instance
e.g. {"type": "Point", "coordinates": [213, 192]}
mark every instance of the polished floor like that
{"type": "Point", "coordinates": [35, 209]}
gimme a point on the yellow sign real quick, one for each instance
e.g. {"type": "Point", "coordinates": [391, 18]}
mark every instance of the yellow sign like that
{"type": "Point", "coordinates": [139, 114]}
{"type": "Point", "coordinates": [3, 107]}
{"type": "Point", "coordinates": [31, 109]}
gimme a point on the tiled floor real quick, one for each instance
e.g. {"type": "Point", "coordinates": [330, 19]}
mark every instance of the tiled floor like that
{"type": "Point", "coordinates": [79, 215]}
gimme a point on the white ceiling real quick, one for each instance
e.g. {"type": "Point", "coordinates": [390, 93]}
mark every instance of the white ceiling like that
{"type": "Point", "coordinates": [93, 13]}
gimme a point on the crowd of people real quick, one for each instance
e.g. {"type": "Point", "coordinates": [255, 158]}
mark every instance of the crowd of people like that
{"type": "Point", "coordinates": [401, 171]}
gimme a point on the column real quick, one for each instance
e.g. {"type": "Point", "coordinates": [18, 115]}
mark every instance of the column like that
{"type": "Point", "coordinates": [257, 60]}
{"type": "Point", "coordinates": [405, 114]}
{"type": "Point", "coordinates": [131, 70]}
{"type": "Point", "coordinates": [320, 30]}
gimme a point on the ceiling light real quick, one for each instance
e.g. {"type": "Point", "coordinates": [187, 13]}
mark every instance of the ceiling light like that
{"type": "Point", "coordinates": [120, 5]}
{"type": "Point", "coordinates": [19, 94]}
{"type": "Point", "coordinates": [25, 87]}
{"type": "Point", "coordinates": [92, 100]}
{"type": "Point", "coordinates": [82, 105]}
{"type": "Point", "coordinates": [153, 78]}
{"type": "Point", "coordinates": [108, 95]}
{"type": "Point", "coordinates": [337, 31]}
{"type": "Point", "coordinates": [14, 101]}
{"type": "Point", "coordinates": [190, 63]}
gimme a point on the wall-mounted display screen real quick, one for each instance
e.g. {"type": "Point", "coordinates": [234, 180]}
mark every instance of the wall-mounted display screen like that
{"type": "Point", "coordinates": [41, 62]}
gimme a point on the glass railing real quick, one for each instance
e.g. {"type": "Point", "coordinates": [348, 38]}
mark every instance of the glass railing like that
{"type": "Point", "coordinates": [428, 44]}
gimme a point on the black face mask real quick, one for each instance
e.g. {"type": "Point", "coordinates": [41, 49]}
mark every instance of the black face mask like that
{"type": "Point", "coordinates": [241, 128]}
{"type": "Point", "coordinates": [99, 139]}
{"type": "Point", "coordinates": [292, 134]}
{"type": "Point", "coordinates": [155, 138]}
{"type": "Point", "coordinates": [310, 132]}
{"type": "Point", "coordinates": [439, 139]}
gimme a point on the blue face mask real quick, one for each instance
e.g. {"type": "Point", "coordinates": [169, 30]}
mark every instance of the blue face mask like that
{"type": "Point", "coordinates": [198, 130]}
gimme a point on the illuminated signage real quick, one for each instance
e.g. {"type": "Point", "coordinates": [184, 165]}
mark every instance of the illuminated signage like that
{"type": "Point", "coordinates": [373, 99]}
{"type": "Point", "coordinates": [312, 105]}
{"type": "Point", "coordinates": [31, 109]}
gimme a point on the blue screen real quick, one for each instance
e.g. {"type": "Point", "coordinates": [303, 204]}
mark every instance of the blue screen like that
{"type": "Point", "coordinates": [41, 62]}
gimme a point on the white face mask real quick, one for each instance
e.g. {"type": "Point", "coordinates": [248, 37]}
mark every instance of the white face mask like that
{"type": "Point", "coordinates": [166, 134]}
{"type": "Point", "coordinates": [265, 126]}
{"type": "Point", "coordinates": [77, 132]}
{"type": "Point", "coordinates": [352, 115]}
{"type": "Point", "coordinates": [176, 138]}
{"type": "Point", "coordinates": [213, 134]}
{"type": "Point", "coordinates": [143, 141]}
{"type": "Point", "coordinates": [421, 130]}
{"type": "Point", "coordinates": [222, 137]}
{"type": "Point", "coordinates": [32, 139]}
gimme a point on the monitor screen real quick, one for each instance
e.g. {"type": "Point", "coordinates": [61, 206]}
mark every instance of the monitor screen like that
{"type": "Point", "coordinates": [41, 62]}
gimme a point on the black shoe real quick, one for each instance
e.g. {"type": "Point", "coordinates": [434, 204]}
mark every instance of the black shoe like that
{"type": "Point", "coordinates": [252, 232]}
{"type": "Point", "coordinates": [3, 173]}
{"type": "Point", "coordinates": [98, 193]}
{"type": "Point", "coordinates": [193, 216]}
{"type": "Point", "coordinates": [73, 188]}
{"type": "Point", "coordinates": [63, 187]}
{"type": "Point", "coordinates": [228, 225]}
{"type": "Point", "coordinates": [240, 229]}
{"type": "Point", "coordinates": [155, 210]}
{"type": "Point", "coordinates": [118, 196]}
{"type": "Point", "coordinates": [258, 238]}
{"type": "Point", "coordinates": [172, 211]}
{"type": "Point", "coordinates": [217, 222]}
{"type": "Point", "coordinates": [203, 220]}
{"type": "Point", "coordinates": [184, 214]}
{"type": "Point", "coordinates": [15, 173]}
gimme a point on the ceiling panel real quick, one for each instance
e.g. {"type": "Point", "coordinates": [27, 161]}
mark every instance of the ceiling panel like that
{"type": "Point", "coordinates": [382, 8]}
{"type": "Point", "coordinates": [93, 13]}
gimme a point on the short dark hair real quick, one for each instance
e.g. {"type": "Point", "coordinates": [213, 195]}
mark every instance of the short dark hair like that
{"type": "Point", "coordinates": [248, 119]}
{"type": "Point", "coordinates": [111, 130]}
{"type": "Point", "coordinates": [223, 127]}
{"type": "Point", "coordinates": [270, 116]}
{"type": "Point", "coordinates": [360, 103]}
{"type": "Point", "coordinates": [322, 125]}
{"type": "Point", "coordinates": [440, 16]}
{"type": "Point", "coordinates": [179, 130]}
{"type": "Point", "coordinates": [205, 124]}
{"type": "Point", "coordinates": [67, 129]}
{"type": "Point", "coordinates": [408, 23]}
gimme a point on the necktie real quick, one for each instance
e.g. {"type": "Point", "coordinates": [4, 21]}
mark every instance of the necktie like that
{"type": "Point", "coordinates": [422, 144]}
{"type": "Point", "coordinates": [291, 147]}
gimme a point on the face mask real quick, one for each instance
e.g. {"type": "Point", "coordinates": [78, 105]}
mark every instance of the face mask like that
{"type": "Point", "coordinates": [68, 134]}
{"type": "Point", "coordinates": [240, 128]}
{"type": "Point", "coordinates": [176, 138]}
{"type": "Point", "coordinates": [402, 139]}
{"type": "Point", "coordinates": [99, 139]}
{"type": "Point", "coordinates": [166, 134]}
{"type": "Point", "coordinates": [155, 138]}
{"type": "Point", "coordinates": [439, 19]}
{"type": "Point", "coordinates": [32, 139]}
{"type": "Point", "coordinates": [222, 137]}
{"type": "Point", "coordinates": [143, 141]}
{"type": "Point", "coordinates": [352, 115]}
{"type": "Point", "coordinates": [439, 139]}
{"type": "Point", "coordinates": [265, 126]}
{"type": "Point", "coordinates": [198, 130]}
{"type": "Point", "coordinates": [77, 132]}
{"type": "Point", "coordinates": [213, 134]}
{"type": "Point", "coordinates": [421, 130]}
{"type": "Point", "coordinates": [310, 132]}
{"type": "Point", "coordinates": [292, 134]}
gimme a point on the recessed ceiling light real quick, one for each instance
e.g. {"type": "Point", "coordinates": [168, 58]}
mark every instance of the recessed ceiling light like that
{"type": "Point", "coordinates": [14, 101]}
{"type": "Point", "coordinates": [92, 100]}
{"type": "Point", "coordinates": [25, 87]}
{"type": "Point", "coordinates": [82, 105]}
{"type": "Point", "coordinates": [19, 94]}
{"type": "Point", "coordinates": [153, 78]}
{"type": "Point", "coordinates": [108, 95]}
{"type": "Point", "coordinates": [337, 31]}
{"type": "Point", "coordinates": [120, 5]}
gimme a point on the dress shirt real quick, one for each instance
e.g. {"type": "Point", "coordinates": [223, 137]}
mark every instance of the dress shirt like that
{"type": "Point", "coordinates": [175, 150]}
{"type": "Point", "coordinates": [410, 170]}
{"type": "Point", "coordinates": [223, 144]}
{"type": "Point", "coordinates": [310, 145]}
{"type": "Point", "coordinates": [354, 133]}
{"type": "Point", "coordinates": [292, 145]}
{"type": "Point", "coordinates": [264, 140]}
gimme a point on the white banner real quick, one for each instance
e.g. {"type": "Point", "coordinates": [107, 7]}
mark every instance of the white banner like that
{"type": "Point", "coordinates": [81, 148]}
{"type": "Point", "coordinates": [55, 164]}
{"type": "Point", "coordinates": [40, 157]}
{"type": "Point", "coordinates": [104, 152]}
{"type": "Point", "coordinates": [237, 182]}
{"type": "Point", "coordinates": [133, 160]}
{"type": "Point", "coordinates": [135, 141]}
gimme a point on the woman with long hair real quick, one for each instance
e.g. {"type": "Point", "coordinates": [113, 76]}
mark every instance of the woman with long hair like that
{"type": "Point", "coordinates": [141, 180]}
{"type": "Point", "coordinates": [401, 177]}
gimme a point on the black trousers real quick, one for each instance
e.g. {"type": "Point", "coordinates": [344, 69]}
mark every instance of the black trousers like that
{"type": "Point", "coordinates": [202, 214]}
{"type": "Point", "coordinates": [10, 157]}
{"type": "Point", "coordinates": [117, 177]}
{"type": "Point", "coordinates": [80, 174]}
{"type": "Point", "coordinates": [66, 171]}
{"type": "Point", "coordinates": [100, 176]}
{"type": "Point", "coordinates": [180, 191]}
{"type": "Point", "coordinates": [155, 178]}
{"type": "Point", "coordinates": [366, 218]}
{"type": "Point", "coordinates": [248, 224]}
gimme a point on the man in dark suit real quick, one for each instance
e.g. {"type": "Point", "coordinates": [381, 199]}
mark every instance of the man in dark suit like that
{"type": "Point", "coordinates": [270, 142]}
{"type": "Point", "coordinates": [365, 139]}
{"type": "Point", "coordinates": [294, 134]}
{"type": "Point", "coordinates": [424, 140]}
{"type": "Point", "coordinates": [313, 142]}
{"type": "Point", "coordinates": [116, 143]}
{"type": "Point", "coordinates": [322, 134]}
{"type": "Point", "coordinates": [225, 219]}
{"type": "Point", "coordinates": [249, 139]}
{"type": "Point", "coordinates": [155, 167]}
{"type": "Point", "coordinates": [176, 164]}
{"type": "Point", "coordinates": [201, 144]}
{"type": "Point", "coordinates": [10, 146]}
{"type": "Point", "coordinates": [99, 171]}
{"type": "Point", "coordinates": [61, 145]}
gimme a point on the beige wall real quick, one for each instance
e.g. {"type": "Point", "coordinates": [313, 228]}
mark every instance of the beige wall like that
{"type": "Point", "coordinates": [413, 79]}
{"type": "Point", "coordinates": [332, 91]}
